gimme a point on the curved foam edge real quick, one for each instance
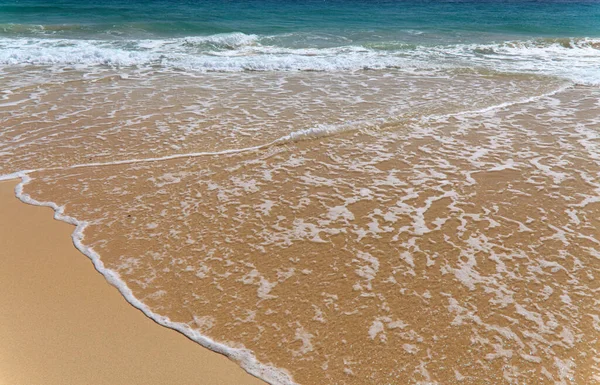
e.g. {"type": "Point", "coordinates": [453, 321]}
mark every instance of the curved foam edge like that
{"type": "Point", "coordinates": [324, 130]}
{"type": "Point", "coordinates": [314, 132]}
{"type": "Point", "coordinates": [500, 106]}
{"type": "Point", "coordinates": [245, 357]}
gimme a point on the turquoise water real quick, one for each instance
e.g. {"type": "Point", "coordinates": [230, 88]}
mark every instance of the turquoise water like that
{"type": "Point", "coordinates": [558, 38]}
{"type": "Point", "coordinates": [357, 20]}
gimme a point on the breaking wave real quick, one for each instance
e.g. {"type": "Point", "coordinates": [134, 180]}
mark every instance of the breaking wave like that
{"type": "Point", "coordinates": [574, 59]}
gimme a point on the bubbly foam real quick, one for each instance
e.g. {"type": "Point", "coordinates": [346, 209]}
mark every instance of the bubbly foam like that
{"type": "Point", "coordinates": [243, 356]}
{"type": "Point", "coordinates": [574, 59]}
{"type": "Point", "coordinates": [399, 206]}
{"type": "Point", "coordinates": [462, 215]}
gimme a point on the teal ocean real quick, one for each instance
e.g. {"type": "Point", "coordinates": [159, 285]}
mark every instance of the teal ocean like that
{"type": "Point", "coordinates": [359, 21]}
{"type": "Point", "coordinates": [552, 37]}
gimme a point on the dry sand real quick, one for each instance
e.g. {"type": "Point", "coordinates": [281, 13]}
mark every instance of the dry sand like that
{"type": "Point", "coordinates": [62, 323]}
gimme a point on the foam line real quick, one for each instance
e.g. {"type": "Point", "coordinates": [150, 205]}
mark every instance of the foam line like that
{"type": "Point", "coordinates": [162, 158]}
{"type": "Point", "coordinates": [502, 105]}
{"type": "Point", "coordinates": [247, 360]}
{"type": "Point", "coordinates": [321, 130]}
{"type": "Point", "coordinates": [14, 175]}
{"type": "Point", "coordinates": [245, 357]}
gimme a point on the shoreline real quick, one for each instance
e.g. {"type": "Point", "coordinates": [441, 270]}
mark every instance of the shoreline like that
{"type": "Point", "coordinates": [62, 323]}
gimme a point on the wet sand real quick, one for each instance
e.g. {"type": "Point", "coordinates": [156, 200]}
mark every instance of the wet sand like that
{"type": "Point", "coordinates": [451, 244]}
{"type": "Point", "coordinates": [62, 323]}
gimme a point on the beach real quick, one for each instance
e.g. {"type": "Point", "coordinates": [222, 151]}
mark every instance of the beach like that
{"type": "Point", "coordinates": [450, 247]}
{"type": "Point", "coordinates": [323, 192]}
{"type": "Point", "coordinates": [62, 323]}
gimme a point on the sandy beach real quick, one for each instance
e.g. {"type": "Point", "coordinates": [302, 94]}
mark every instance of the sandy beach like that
{"type": "Point", "coordinates": [62, 323]}
{"type": "Point", "coordinates": [306, 193]}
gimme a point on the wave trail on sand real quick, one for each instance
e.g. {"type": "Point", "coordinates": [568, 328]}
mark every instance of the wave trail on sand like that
{"type": "Point", "coordinates": [315, 132]}
{"type": "Point", "coordinates": [245, 357]}
{"type": "Point", "coordinates": [508, 208]}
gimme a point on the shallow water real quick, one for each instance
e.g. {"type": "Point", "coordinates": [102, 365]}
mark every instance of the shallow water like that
{"type": "Point", "coordinates": [372, 204]}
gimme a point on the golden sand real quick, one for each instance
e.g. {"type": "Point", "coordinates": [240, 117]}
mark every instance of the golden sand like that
{"type": "Point", "coordinates": [62, 323]}
{"type": "Point", "coordinates": [456, 243]}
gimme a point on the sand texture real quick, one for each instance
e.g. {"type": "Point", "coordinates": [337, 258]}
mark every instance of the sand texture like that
{"type": "Point", "coordinates": [62, 323]}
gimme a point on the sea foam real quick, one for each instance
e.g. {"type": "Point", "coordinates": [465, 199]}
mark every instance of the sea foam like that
{"type": "Point", "coordinates": [574, 59]}
{"type": "Point", "coordinates": [245, 357]}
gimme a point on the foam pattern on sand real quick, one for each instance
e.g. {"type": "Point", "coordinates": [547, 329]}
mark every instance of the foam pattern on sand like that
{"type": "Point", "coordinates": [444, 249]}
{"type": "Point", "coordinates": [68, 119]}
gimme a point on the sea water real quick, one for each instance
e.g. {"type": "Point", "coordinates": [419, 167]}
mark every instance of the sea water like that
{"type": "Point", "coordinates": [344, 192]}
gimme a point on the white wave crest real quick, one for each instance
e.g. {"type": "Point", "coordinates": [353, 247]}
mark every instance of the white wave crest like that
{"type": "Point", "coordinates": [573, 59]}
